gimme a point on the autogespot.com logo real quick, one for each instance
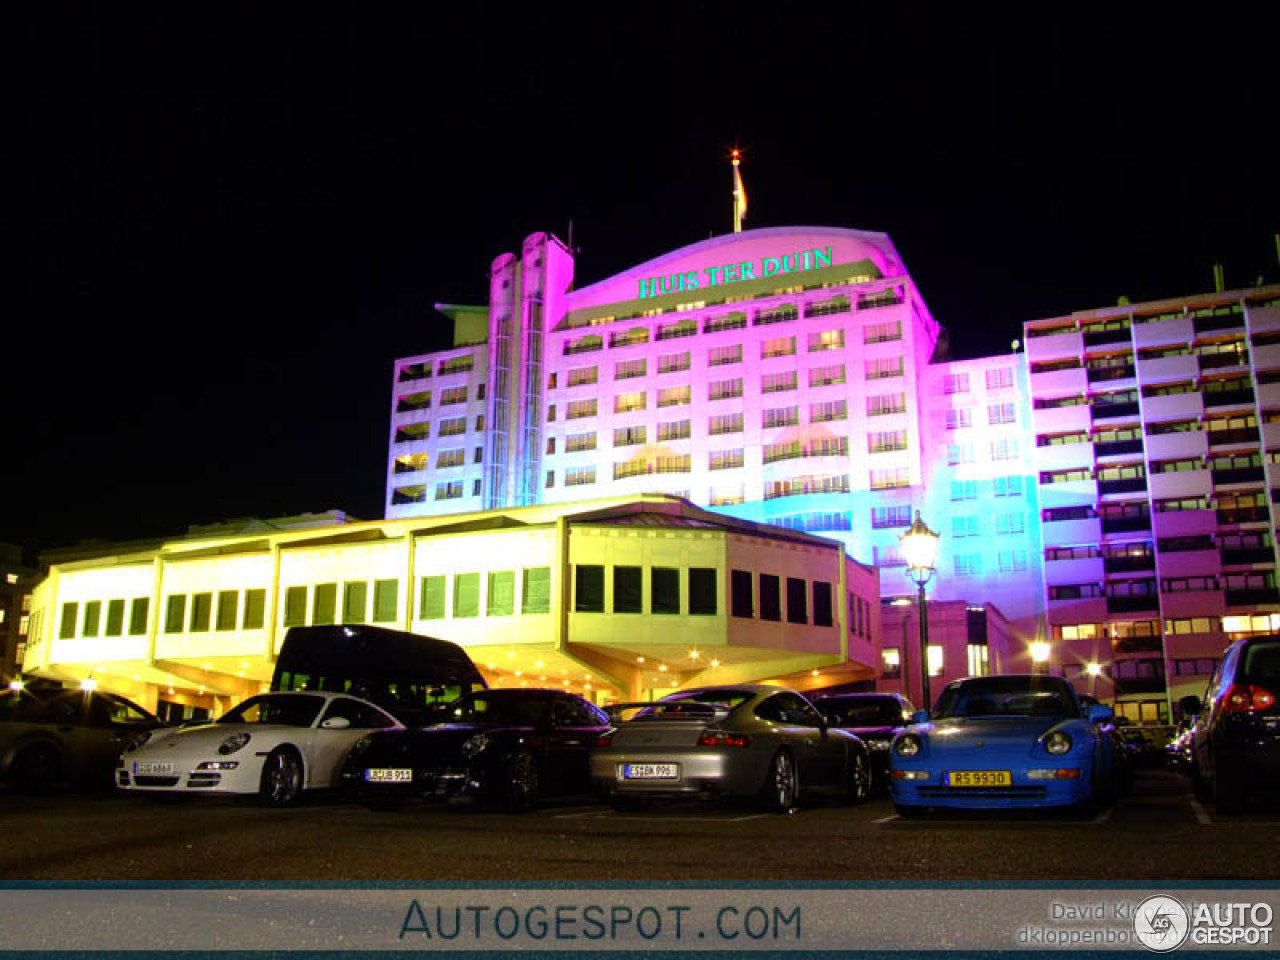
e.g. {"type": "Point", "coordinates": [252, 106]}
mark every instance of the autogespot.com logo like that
{"type": "Point", "coordinates": [1161, 923]}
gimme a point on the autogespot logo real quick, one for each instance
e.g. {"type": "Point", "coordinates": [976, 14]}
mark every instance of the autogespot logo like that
{"type": "Point", "coordinates": [1161, 923]}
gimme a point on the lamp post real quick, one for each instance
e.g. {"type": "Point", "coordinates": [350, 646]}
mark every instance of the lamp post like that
{"type": "Point", "coordinates": [920, 550]}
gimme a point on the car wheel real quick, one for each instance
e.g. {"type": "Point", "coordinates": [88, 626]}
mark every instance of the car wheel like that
{"type": "Point", "coordinates": [520, 783]}
{"type": "Point", "coordinates": [35, 769]}
{"type": "Point", "coordinates": [858, 789]}
{"type": "Point", "coordinates": [781, 788]}
{"type": "Point", "coordinates": [281, 778]}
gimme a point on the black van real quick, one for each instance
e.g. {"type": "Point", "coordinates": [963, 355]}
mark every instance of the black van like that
{"type": "Point", "coordinates": [407, 674]}
{"type": "Point", "coordinates": [1235, 740]}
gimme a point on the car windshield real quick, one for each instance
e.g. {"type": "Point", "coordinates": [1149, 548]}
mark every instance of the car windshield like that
{"type": "Point", "coordinates": [864, 711]}
{"type": "Point", "coordinates": [695, 703]}
{"type": "Point", "coordinates": [1033, 696]}
{"type": "Point", "coordinates": [284, 709]}
{"type": "Point", "coordinates": [499, 707]}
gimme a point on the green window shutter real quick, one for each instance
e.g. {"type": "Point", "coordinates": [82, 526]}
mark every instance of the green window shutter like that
{"type": "Point", "coordinates": [138, 616]}
{"type": "Point", "coordinates": [325, 603]}
{"type": "Point", "coordinates": [537, 590]}
{"type": "Point", "coordinates": [466, 595]}
{"type": "Point", "coordinates": [67, 629]}
{"type": "Point", "coordinates": [664, 590]}
{"type": "Point", "coordinates": [702, 591]}
{"type": "Point", "coordinates": [502, 593]}
{"type": "Point", "coordinates": [201, 611]}
{"type": "Point", "coordinates": [295, 606]}
{"type": "Point", "coordinates": [386, 600]}
{"type": "Point", "coordinates": [431, 599]}
{"type": "Point", "coordinates": [228, 607]}
{"type": "Point", "coordinates": [355, 601]}
{"type": "Point", "coordinates": [115, 618]}
{"type": "Point", "coordinates": [92, 613]}
{"type": "Point", "coordinates": [255, 609]}
{"type": "Point", "coordinates": [175, 613]}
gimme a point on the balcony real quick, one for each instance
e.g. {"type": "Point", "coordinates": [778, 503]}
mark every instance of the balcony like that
{"type": "Point", "coordinates": [1112, 448]}
{"type": "Point", "coordinates": [1234, 515]}
{"type": "Point", "coordinates": [1174, 406]}
{"type": "Point", "coordinates": [1237, 475]}
{"type": "Point", "coordinates": [1216, 361]}
{"type": "Point", "coordinates": [1132, 604]}
{"type": "Point", "coordinates": [1131, 685]}
{"type": "Point", "coordinates": [1218, 322]}
{"type": "Point", "coordinates": [1236, 555]}
{"type": "Point", "coordinates": [1125, 524]}
{"type": "Point", "coordinates": [1228, 398]}
{"type": "Point", "coordinates": [1252, 596]}
{"type": "Point", "coordinates": [1114, 411]}
{"type": "Point", "coordinates": [1137, 645]}
{"type": "Point", "coordinates": [1122, 485]}
{"type": "Point", "coordinates": [1106, 374]}
{"type": "Point", "coordinates": [1167, 369]}
{"type": "Point", "coordinates": [1095, 338]}
{"type": "Point", "coordinates": [1068, 343]}
{"type": "Point", "coordinates": [1222, 438]}
{"type": "Point", "coordinates": [1159, 333]}
{"type": "Point", "coordinates": [1129, 564]}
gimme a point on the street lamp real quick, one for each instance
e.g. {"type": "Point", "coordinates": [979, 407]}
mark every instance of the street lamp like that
{"type": "Point", "coordinates": [1039, 656]}
{"type": "Point", "coordinates": [920, 550]}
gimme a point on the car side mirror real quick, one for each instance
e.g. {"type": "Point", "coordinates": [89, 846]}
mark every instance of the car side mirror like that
{"type": "Point", "coordinates": [1190, 706]}
{"type": "Point", "coordinates": [335, 723]}
{"type": "Point", "coordinates": [1100, 714]}
{"type": "Point", "coordinates": [920, 716]}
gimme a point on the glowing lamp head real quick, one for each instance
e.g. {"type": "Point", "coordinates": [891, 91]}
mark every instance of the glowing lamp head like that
{"type": "Point", "coordinates": [1040, 652]}
{"type": "Point", "coordinates": [88, 684]}
{"type": "Point", "coordinates": [919, 546]}
{"type": "Point", "coordinates": [1094, 669]}
{"type": "Point", "coordinates": [16, 684]}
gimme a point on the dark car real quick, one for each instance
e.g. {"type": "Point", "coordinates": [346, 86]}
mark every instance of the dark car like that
{"type": "Point", "coordinates": [511, 746]}
{"type": "Point", "coordinates": [51, 737]}
{"type": "Point", "coordinates": [1235, 738]}
{"type": "Point", "coordinates": [1123, 752]}
{"type": "Point", "coordinates": [874, 718]}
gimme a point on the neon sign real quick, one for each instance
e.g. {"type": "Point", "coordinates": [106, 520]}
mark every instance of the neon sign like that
{"type": "Point", "coordinates": [734, 272]}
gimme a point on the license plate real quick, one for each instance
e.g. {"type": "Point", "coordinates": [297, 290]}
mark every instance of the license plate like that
{"type": "Point", "coordinates": [980, 778]}
{"type": "Point", "coordinates": [650, 771]}
{"type": "Point", "coordinates": [388, 775]}
{"type": "Point", "coordinates": [152, 767]}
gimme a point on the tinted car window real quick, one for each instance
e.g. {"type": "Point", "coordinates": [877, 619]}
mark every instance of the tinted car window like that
{"type": "Point", "coordinates": [120, 710]}
{"type": "Point", "coordinates": [499, 707]}
{"type": "Point", "coordinates": [359, 715]}
{"type": "Point", "coordinates": [788, 708]}
{"type": "Point", "coordinates": [1261, 661]}
{"type": "Point", "coordinates": [572, 712]}
{"type": "Point", "coordinates": [1007, 696]}
{"type": "Point", "coordinates": [864, 711]}
{"type": "Point", "coordinates": [290, 710]}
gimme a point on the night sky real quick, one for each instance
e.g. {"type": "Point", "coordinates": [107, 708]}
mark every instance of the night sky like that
{"type": "Point", "coordinates": [227, 222]}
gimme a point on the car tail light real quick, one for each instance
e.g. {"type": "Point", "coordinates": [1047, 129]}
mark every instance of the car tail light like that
{"type": "Point", "coordinates": [1246, 698]}
{"type": "Point", "coordinates": [718, 738]}
{"type": "Point", "coordinates": [605, 739]}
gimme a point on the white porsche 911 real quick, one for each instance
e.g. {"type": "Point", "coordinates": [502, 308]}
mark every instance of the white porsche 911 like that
{"type": "Point", "coordinates": [274, 745]}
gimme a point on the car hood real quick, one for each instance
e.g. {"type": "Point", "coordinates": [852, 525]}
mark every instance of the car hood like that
{"type": "Point", "coordinates": [873, 733]}
{"type": "Point", "coordinates": [442, 740]}
{"type": "Point", "coordinates": [969, 732]}
{"type": "Point", "coordinates": [210, 735]}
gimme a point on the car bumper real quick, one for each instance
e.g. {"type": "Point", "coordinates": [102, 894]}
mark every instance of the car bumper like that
{"type": "Point", "coordinates": [245, 778]}
{"type": "Point", "coordinates": [440, 783]}
{"type": "Point", "coordinates": [1023, 792]}
{"type": "Point", "coordinates": [704, 772]}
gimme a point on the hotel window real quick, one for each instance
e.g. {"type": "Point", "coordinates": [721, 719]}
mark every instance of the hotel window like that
{"type": "Point", "coordinates": [673, 396]}
{"type": "Point", "coordinates": [175, 611]}
{"type": "Point", "coordinates": [964, 489]}
{"type": "Point", "coordinates": [295, 607]}
{"type": "Point", "coordinates": [92, 614]}
{"type": "Point", "coordinates": [1006, 448]}
{"type": "Point", "coordinates": [452, 427]}
{"type": "Point", "coordinates": [955, 383]}
{"type": "Point", "coordinates": [826, 340]}
{"type": "Point", "coordinates": [414, 401]}
{"type": "Point", "coordinates": [826, 376]}
{"type": "Point", "coordinates": [577, 442]}
{"type": "Point", "coordinates": [141, 607]}
{"type": "Point", "coordinates": [1012, 561]}
{"type": "Point", "coordinates": [674, 430]}
{"type": "Point", "coordinates": [770, 597]}
{"type": "Point", "coordinates": [726, 496]}
{"type": "Point", "coordinates": [781, 417]}
{"type": "Point", "coordinates": [703, 594]}
{"type": "Point", "coordinates": [958, 419]}
{"type": "Point", "coordinates": [882, 367]}
{"type": "Point", "coordinates": [581, 376]}
{"type": "Point", "coordinates": [882, 332]}
{"type": "Point", "coordinates": [579, 476]}
{"type": "Point", "coordinates": [797, 601]}
{"type": "Point", "coordinates": [452, 396]}
{"type": "Point", "coordinates": [551, 479]}
{"type": "Point", "coordinates": [672, 464]}
{"type": "Point", "coordinates": [724, 389]}
{"type": "Point", "coordinates": [202, 611]}
{"type": "Point", "coordinates": [725, 423]}
{"type": "Point", "coordinates": [886, 441]}
{"type": "Point", "coordinates": [999, 378]}
{"type": "Point", "coordinates": [1007, 486]}
{"type": "Point", "coordinates": [451, 458]}
{"type": "Point", "coordinates": [799, 486]}
{"type": "Point", "coordinates": [577, 409]}
{"type": "Point", "coordinates": [628, 590]}
{"type": "Point", "coordinates": [890, 479]}
{"type": "Point", "coordinates": [1001, 413]}
{"type": "Point", "coordinates": [830, 410]}
{"type": "Point", "coordinates": [731, 321]}
{"type": "Point", "coordinates": [466, 595]}
{"type": "Point", "coordinates": [228, 608]}
{"type": "Point", "coordinates": [449, 491]}
{"type": "Point", "coordinates": [778, 382]}
{"type": "Point", "coordinates": [431, 598]}
{"type": "Point", "coordinates": [886, 403]}
{"type": "Point", "coordinates": [777, 347]}
{"type": "Point", "coordinates": [823, 612]}
{"type": "Point", "coordinates": [323, 604]}
{"type": "Point", "coordinates": [115, 618]}
{"type": "Point", "coordinates": [726, 459]}
{"type": "Point", "coordinates": [888, 556]}
{"type": "Point", "coordinates": [959, 453]}
{"type": "Point", "coordinates": [890, 662]}
{"type": "Point", "coordinates": [535, 594]}
{"type": "Point", "coordinates": [664, 590]}
{"type": "Point", "coordinates": [968, 564]}
{"type": "Point", "coordinates": [1081, 631]}
{"type": "Point", "coordinates": [501, 601]}
{"type": "Point", "coordinates": [624, 370]}
{"type": "Point", "coordinates": [673, 362]}
{"type": "Point", "coordinates": [719, 356]}
{"type": "Point", "coordinates": [898, 515]}
{"type": "Point", "coordinates": [740, 598]}
{"type": "Point", "coordinates": [965, 527]}
{"type": "Point", "coordinates": [628, 436]}
{"type": "Point", "coordinates": [455, 365]}
{"type": "Point", "coordinates": [626, 402]}
{"type": "Point", "coordinates": [978, 660]}
{"type": "Point", "coordinates": [1011, 523]}
{"type": "Point", "coordinates": [355, 601]}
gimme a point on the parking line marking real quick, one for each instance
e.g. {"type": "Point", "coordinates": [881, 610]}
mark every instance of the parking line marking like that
{"type": "Point", "coordinates": [674, 818]}
{"type": "Point", "coordinates": [1201, 816]}
{"type": "Point", "coordinates": [1105, 815]}
{"type": "Point", "coordinates": [889, 819]}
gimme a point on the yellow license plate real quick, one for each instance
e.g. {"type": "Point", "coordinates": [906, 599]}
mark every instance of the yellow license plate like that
{"type": "Point", "coordinates": [980, 778]}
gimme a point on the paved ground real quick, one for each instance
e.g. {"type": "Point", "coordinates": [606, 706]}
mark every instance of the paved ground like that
{"type": "Point", "coordinates": [1159, 832]}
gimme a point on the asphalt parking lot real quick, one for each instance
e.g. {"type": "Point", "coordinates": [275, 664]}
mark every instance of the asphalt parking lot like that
{"type": "Point", "coordinates": [1158, 832]}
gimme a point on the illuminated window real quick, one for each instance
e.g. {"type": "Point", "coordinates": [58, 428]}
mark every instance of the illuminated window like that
{"type": "Point", "coordinates": [778, 382]}
{"type": "Point", "coordinates": [626, 370]}
{"type": "Point", "coordinates": [580, 376]}
{"type": "Point", "coordinates": [673, 396]}
{"type": "Point", "coordinates": [673, 362]}
{"type": "Point", "coordinates": [890, 662]}
{"type": "Point", "coordinates": [826, 340]}
{"type": "Point", "coordinates": [719, 356]}
{"type": "Point", "coordinates": [978, 663]}
{"type": "Point", "coordinates": [829, 410]}
{"type": "Point", "coordinates": [577, 409]}
{"type": "Point", "coordinates": [826, 376]}
{"type": "Point", "coordinates": [882, 367]}
{"type": "Point", "coordinates": [726, 459]}
{"type": "Point", "coordinates": [886, 403]}
{"type": "Point", "coordinates": [451, 458]}
{"type": "Point", "coordinates": [501, 600]}
{"type": "Point", "coordinates": [577, 442]}
{"type": "Point", "coordinates": [725, 423]}
{"type": "Point", "coordinates": [628, 436]}
{"type": "Point", "coordinates": [625, 402]}
{"type": "Point", "coordinates": [579, 476]}
{"type": "Point", "coordinates": [777, 347]}
{"type": "Point", "coordinates": [935, 660]}
{"type": "Point", "coordinates": [724, 389]}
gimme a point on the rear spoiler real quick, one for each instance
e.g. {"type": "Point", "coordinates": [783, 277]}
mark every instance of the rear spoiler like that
{"type": "Point", "coordinates": [671, 710]}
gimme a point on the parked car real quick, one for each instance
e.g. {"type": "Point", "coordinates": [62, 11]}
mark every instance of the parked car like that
{"type": "Point", "coordinates": [49, 737]}
{"type": "Point", "coordinates": [1178, 752]}
{"type": "Point", "coordinates": [275, 745]}
{"type": "Point", "coordinates": [1122, 752]}
{"type": "Point", "coordinates": [511, 746]}
{"type": "Point", "coordinates": [874, 718]}
{"type": "Point", "coordinates": [751, 741]}
{"type": "Point", "coordinates": [1235, 736]}
{"type": "Point", "coordinates": [1001, 742]}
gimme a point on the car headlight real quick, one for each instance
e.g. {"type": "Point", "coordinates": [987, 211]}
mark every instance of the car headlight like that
{"type": "Point", "coordinates": [233, 743]}
{"type": "Point", "coordinates": [474, 746]}
{"type": "Point", "coordinates": [1057, 743]}
{"type": "Point", "coordinates": [138, 741]}
{"type": "Point", "coordinates": [878, 744]}
{"type": "Point", "coordinates": [908, 745]}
